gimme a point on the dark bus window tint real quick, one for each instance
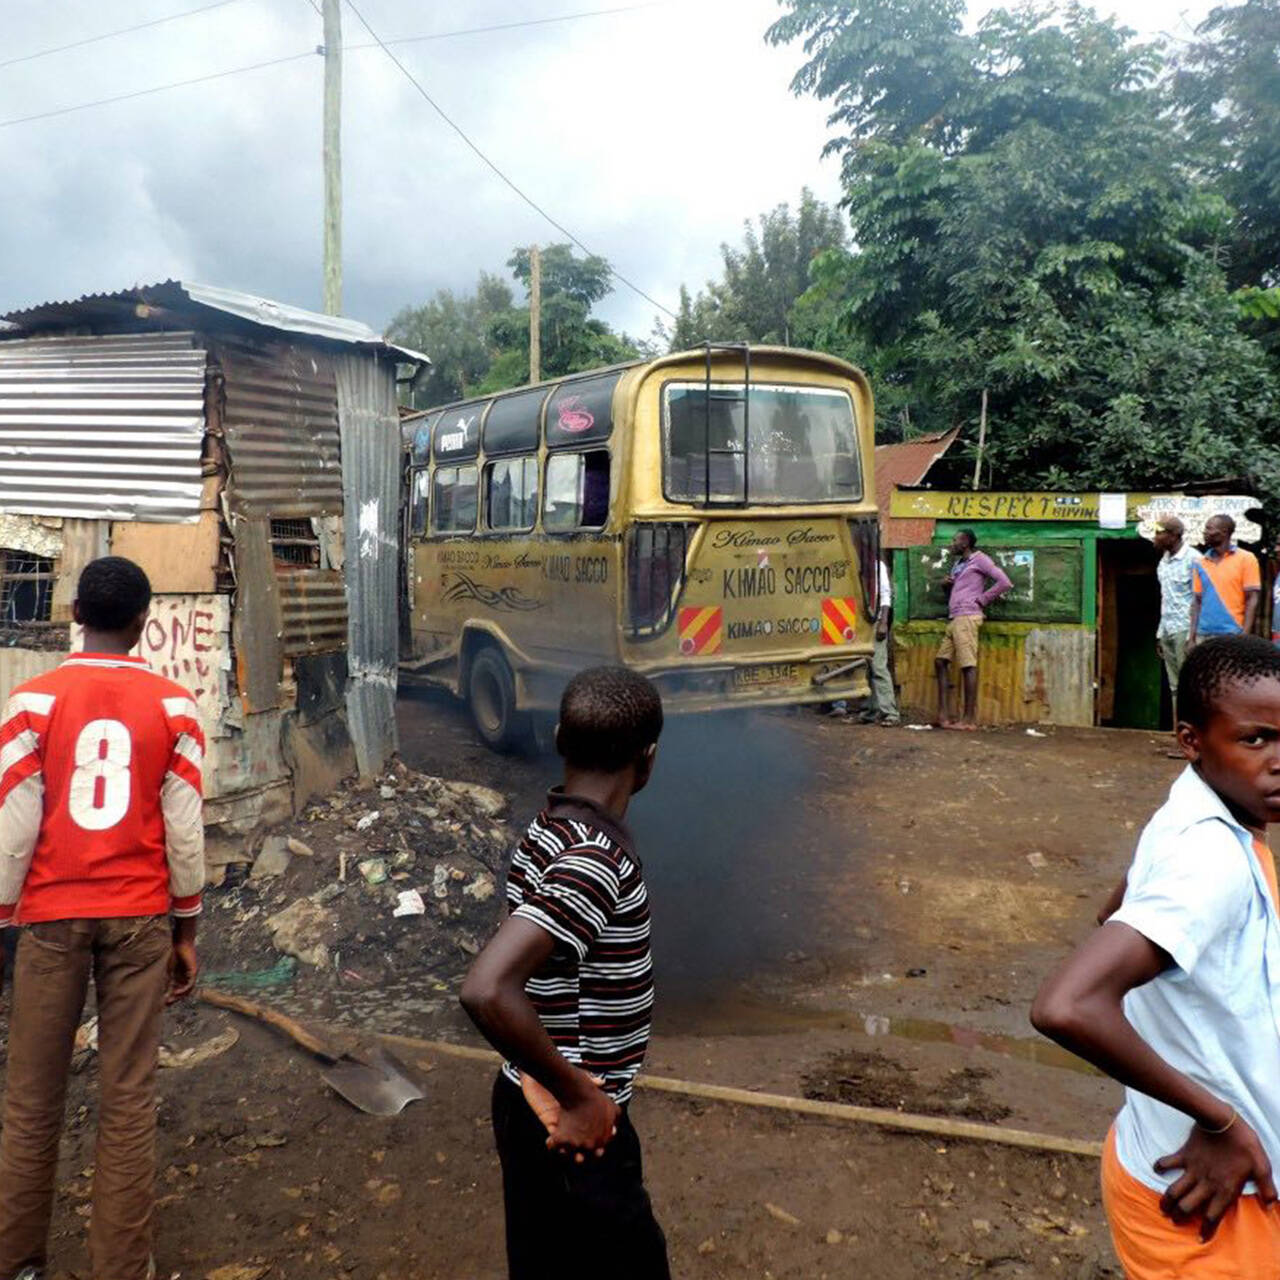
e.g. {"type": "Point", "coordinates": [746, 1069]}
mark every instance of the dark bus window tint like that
{"type": "Point", "coordinates": [457, 433]}
{"type": "Point", "coordinates": [512, 493]}
{"type": "Point", "coordinates": [512, 424]}
{"type": "Point", "coordinates": [577, 491]}
{"type": "Point", "coordinates": [419, 493]}
{"type": "Point", "coordinates": [421, 447]}
{"type": "Point", "coordinates": [580, 412]}
{"type": "Point", "coordinates": [455, 500]}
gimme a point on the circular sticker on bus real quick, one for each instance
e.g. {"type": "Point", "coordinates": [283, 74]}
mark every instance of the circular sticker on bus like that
{"type": "Point", "coordinates": [574, 417]}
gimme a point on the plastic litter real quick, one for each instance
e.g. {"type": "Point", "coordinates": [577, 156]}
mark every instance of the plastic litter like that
{"type": "Point", "coordinates": [410, 904]}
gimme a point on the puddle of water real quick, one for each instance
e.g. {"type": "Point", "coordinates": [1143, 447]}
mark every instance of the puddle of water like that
{"type": "Point", "coordinates": [1042, 1052]}
{"type": "Point", "coordinates": [744, 1018]}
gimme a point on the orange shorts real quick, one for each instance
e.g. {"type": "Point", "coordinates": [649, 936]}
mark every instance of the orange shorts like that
{"type": "Point", "coordinates": [1150, 1246]}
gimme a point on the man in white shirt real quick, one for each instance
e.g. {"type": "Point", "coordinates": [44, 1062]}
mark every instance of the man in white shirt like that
{"type": "Point", "coordinates": [1176, 572]}
{"type": "Point", "coordinates": [882, 707]}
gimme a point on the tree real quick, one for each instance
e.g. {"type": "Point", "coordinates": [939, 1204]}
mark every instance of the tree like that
{"type": "Point", "coordinates": [454, 331]}
{"type": "Point", "coordinates": [1228, 84]}
{"type": "Point", "coordinates": [479, 342]}
{"type": "Point", "coordinates": [1034, 225]}
{"type": "Point", "coordinates": [755, 298]}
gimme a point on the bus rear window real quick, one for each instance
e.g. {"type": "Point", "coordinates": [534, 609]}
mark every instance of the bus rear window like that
{"type": "Point", "coordinates": [577, 490]}
{"type": "Point", "coordinates": [797, 444]}
{"type": "Point", "coordinates": [454, 500]}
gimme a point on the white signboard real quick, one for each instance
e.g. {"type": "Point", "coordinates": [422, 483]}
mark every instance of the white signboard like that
{"type": "Point", "coordinates": [1194, 512]}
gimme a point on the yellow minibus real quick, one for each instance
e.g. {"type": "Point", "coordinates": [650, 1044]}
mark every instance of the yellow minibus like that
{"type": "Point", "coordinates": [707, 518]}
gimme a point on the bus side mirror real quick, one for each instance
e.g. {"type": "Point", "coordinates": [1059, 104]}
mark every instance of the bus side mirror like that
{"type": "Point", "coordinates": [844, 471]}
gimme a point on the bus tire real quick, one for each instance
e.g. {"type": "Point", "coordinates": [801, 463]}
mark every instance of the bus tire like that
{"type": "Point", "coordinates": [491, 695]}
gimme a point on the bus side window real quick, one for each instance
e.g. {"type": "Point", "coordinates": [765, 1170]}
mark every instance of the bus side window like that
{"type": "Point", "coordinates": [511, 493]}
{"type": "Point", "coordinates": [419, 495]}
{"type": "Point", "coordinates": [455, 500]}
{"type": "Point", "coordinates": [577, 494]}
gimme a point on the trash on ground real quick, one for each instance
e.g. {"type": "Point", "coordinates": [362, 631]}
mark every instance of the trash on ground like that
{"type": "Point", "coordinates": [197, 1055]}
{"type": "Point", "coordinates": [410, 904]}
{"type": "Point", "coordinates": [305, 930]}
{"type": "Point", "coordinates": [1037, 860]}
{"type": "Point", "coordinates": [374, 870]}
{"type": "Point", "coordinates": [368, 820]}
{"type": "Point", "coordinates": [280, 974]}
{"type": "Point", "coordinates": [272, 860]}
{"type": "Point", "coordinates": [1035, 733]}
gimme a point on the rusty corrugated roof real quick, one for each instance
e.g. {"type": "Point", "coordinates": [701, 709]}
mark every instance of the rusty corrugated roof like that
{"type": "Point", "coordinates": [906, 464]}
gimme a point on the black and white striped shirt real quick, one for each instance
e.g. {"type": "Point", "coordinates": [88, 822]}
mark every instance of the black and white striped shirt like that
{"type": "Point", "coordinates": [575, 875]}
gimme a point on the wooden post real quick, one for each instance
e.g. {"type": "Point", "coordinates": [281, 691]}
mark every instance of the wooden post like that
{"type": "Point", "coordinates": [982, 441]}
{"type": "Point", "coordinates": [333, 157]}
{"type": "Point", "coordinates": [535, 314]}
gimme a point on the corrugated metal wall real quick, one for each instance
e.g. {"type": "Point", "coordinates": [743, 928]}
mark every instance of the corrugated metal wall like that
{"type": "Point", "coordinates": [281, 424]}
{"type": "Point", "coordinates": [106, 428]}
{"type": "Point", "coordinates": [313, 608]}
{"type": "Point", "coordinates": [1027, 673]}
{"type": "Point", "coordinates": [371, 480]}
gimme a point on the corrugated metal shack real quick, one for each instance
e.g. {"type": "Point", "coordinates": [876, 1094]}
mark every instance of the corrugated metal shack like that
{"type": "Point", "coordinates": [1074, 642]}
{"type": "Point", "coordinates": [246, 454]}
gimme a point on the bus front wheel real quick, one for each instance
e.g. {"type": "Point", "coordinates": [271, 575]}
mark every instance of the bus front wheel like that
{"type": "Point", "coordinates": [491, 694]}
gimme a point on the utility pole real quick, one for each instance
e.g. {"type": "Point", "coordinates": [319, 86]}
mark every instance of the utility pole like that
{"type": "Point", "coordinates": [333, 157]}
{"type": "Point", "coordinates": [535, 314]}
{"type": "Point", "coordinates": [982, 441]}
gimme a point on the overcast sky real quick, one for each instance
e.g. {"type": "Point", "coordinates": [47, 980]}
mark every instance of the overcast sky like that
{"type": "Point", "coordinates": [650, 134]}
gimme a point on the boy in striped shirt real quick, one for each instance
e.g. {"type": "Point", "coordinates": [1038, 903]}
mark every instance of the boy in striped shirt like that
{"type": "Point", "coordinates": [565, 991]}
{"type": "Point", "coordinates": [101, 843]}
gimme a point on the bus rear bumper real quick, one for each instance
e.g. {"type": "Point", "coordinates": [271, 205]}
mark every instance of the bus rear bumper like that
{"type": "Point", "coordinates": [712, 688]}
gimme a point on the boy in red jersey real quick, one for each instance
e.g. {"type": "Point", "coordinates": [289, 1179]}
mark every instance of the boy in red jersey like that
{"type": "Point", "coordinates": [101, 842]}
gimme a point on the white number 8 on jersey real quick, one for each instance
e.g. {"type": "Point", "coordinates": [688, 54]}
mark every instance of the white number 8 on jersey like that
{"type": "Point", "coordinates": [102, 783]}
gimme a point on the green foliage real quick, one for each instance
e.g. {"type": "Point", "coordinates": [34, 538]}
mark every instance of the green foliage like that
{"type": "Point", "coordinates": [755, 299]}
{"type": "Point", "coordinates": [454, 331]}
{"type": "Point", "coordinates": [1031, 220]}
{"type": "Point", "coordinates": [1228, 84]}
{"type": "Point", "coordinates": [479, 342]}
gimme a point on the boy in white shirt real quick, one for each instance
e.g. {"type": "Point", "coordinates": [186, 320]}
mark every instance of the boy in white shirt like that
{"type": "Point", "coordinates": [1177, 996]}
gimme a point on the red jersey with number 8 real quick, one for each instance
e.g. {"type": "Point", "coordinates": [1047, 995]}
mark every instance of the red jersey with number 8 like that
{"type": "Point", "coordinates": [100, 794]}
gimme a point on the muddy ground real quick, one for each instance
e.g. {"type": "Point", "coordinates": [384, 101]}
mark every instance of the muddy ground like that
{"type": "Point", "coordinates": [852, 913]}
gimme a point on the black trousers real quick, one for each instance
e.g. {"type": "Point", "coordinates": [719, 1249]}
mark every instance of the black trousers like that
{"type": "Point", "coordinates": [570, 1221]}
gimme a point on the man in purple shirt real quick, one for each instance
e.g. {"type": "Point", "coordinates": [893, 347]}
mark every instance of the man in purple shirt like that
{"type": "Point", "coordinates": [971, 572]}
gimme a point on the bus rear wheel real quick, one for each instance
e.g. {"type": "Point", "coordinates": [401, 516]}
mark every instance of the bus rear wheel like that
{"type": "Point", "coordinates": [491, 694]}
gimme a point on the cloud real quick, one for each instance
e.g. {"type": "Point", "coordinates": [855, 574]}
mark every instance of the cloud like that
{"type": "Point", "coordinates": [650, 134]}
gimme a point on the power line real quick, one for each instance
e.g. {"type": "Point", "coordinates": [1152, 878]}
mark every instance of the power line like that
{"type": "Point", "coordinates": [295, 57]}
{"type": "Point", "coordinates": [158, 88]}
{"type": "Point", "coordinates": [533, 204]}
{"type": "Point", "coordinates": [512, 26]}
{"type": "Point", "coordinates": [110, 35]}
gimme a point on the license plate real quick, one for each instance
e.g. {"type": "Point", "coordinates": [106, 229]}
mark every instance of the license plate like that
{"type": "Point", "coordinates": [766, 675]}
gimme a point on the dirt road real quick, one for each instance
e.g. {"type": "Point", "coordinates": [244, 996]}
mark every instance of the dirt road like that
{"type": "Point", "coordinates": [847, 912]}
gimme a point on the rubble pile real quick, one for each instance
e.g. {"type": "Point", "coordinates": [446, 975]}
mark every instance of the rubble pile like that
{"type": "Point", "coordinates": [370, 905]}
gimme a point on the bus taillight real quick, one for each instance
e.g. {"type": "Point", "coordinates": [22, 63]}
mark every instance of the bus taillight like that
{"type": "Point", "coordinates": [865, 533]}
{"type": "Point", "coordinates": [656, 557]}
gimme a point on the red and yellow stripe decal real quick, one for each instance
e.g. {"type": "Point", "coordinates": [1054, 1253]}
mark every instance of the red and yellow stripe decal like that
{"type": "Point", "coordinates": [701, 630]}
{"type": "Point", "coordinates": [839, 618]}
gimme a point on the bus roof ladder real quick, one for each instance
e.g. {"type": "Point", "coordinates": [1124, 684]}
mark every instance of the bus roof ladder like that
{"type": "Point", "coordinates": [728, 397]}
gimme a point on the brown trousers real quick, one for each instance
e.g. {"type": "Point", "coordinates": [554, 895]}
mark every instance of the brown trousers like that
{"type": "Point", "coordinates": [128, 961]}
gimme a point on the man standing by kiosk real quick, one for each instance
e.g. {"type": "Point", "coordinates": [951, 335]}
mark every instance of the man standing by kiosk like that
{"type": "Point", "coordinates": [974, 582]}
{"type": "Point", "coordinates": [1176, 571]}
